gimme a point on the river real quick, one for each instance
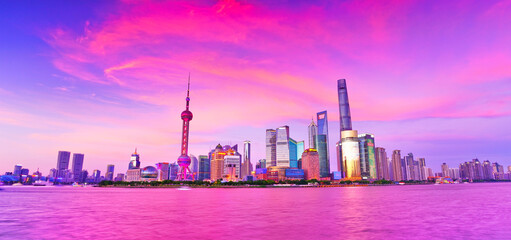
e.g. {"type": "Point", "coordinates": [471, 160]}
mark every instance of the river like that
{"type": "Point", "coordinates": [457, 211]}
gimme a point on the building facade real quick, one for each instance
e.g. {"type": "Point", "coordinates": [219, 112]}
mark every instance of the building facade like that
{"type": "Point", "coordinates": [310, 164]}
{"type": "Point", "coordinates": [351, 155]}
{"type": "Point", "coordinates": [367, 156]}
{"type": "Point", "coordinates": [322, 144]}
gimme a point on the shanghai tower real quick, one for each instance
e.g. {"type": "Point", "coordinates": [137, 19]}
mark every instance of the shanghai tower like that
{"type": "Point", "coordinates": [344, 105]}
{"type": "Point", "coordinates": [184, 160]}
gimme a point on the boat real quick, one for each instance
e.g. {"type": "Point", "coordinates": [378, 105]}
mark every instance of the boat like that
{"type": "Point", "coordinates": [184, 188]}
{"type": "Point", "coordinates": [40, 183]}
{"type": "Point", "coordinates": [17, 184]}
{"type": "Point", "coordinates": [77, 185]}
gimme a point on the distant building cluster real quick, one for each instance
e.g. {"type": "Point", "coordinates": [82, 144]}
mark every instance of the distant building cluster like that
{"type": "Point", "coordinates": [357, 158]}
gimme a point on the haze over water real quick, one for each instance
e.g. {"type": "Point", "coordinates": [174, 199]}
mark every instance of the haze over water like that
{"type": "Point", "coordinates": [460, 211]}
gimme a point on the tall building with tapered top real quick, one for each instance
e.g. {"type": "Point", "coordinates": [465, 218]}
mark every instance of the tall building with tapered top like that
{"type": "Point", "coordinates": [344, 105]}
{"type": "Point", "coordinates": [313, 131]}
{"type": "Point", "coordinates": [322, 144]}
{"type": "Point", "coordinates": [184, 160]}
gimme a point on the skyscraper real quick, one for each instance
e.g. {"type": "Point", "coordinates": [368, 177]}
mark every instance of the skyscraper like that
{"type": "Point", "coordinates": [293, 153]}
{"type": "Point", "coordinates": [163, 170]}
{"type": "Point", "coordinates": [62, 163]}
{"type": "Point", "coordinates": [350, 154]}
{"type": "Point", "coordinates": [271, 147]}
{"type": "Point", "coordinates": [246, 166]}
{"type": "Point", "coordinates": [194, 166]}
{"type": "Point", "coordinates": [423, 169]}
{"type": "Point", "coordinates": [77, 166]}
{"type": "Point", "coordinates": [217, 163]}
{"type": "Point", "coordinates": [134, 161]}
{"type": "Point", "coordinates": [396, 165]}
{"type": "Point", "coordinates": [282, 148]}
{"type": "Point", "coordinates": [445, 170]}
{"type": "Point", "coordinates": [367, 156]}
{"type": "Point", "coordinates": [17, 170]}
{"type": "Point", "coordinates": [313, 131]}
{"type": "Point", "coordinates": [344, 105]}
{"type": "Point", "coordinates": [310, 164]}
{"type": "Point", "coordinates": [338, 151]}
{"type": "Point", "coordinates": [322, 144]}
{"type": "Point", "coordinates": [109, 175]}
{"type": "Point", "coordinates": [204, 168]}
{"type": "Point", "coordinates": [382, 166]}
{"type": "Point", "coordinates": [184, 160]}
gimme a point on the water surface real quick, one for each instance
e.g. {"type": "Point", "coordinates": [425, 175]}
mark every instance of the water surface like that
{"type": "Point", "coordinates": [461, 211]}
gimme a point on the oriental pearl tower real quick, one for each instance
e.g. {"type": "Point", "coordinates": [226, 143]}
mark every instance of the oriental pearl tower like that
{"type": "Point", "coordinates": [184, 160]}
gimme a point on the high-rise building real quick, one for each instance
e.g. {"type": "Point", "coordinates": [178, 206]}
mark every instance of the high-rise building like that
{"type": "Point", "coordinates": [184, 160]}
{"type": "Point", "coordinates": [313, 131]}
{"type": "Point", "coordinates": [344, 106]}
{"type": "Point", "coordinates": [396, 165]}
{"type": "Point", "coordinates": [488, 170]}
{"type": "Point", "coordinates": [163, 171]}
{"type": "Point", "coordinates": [119, 177]}
{"type": "Point", "coordinates": [261, 163]}
{"type": "Point", "coordinates": [77, 166]}
{"type": "Point", "coordinates": [271, 147]}
{"type": "Point", "coordinates": [351, 155]}
{"type": "Point", "coordinates": [338, 151]}
{"type": "Point", "coordinates": [96, 174]}
{"type": "Point", "coordinates": [109, 175]}
{"type": "Point", "coordinates": [173, 171]}
{"type": "Point", "coordinates": [194, 166]}
{"type": "Point", "coordinates": [405, 172]}
{"type": "Point", "coordinates": [310, 164]}
{"type": "Point", "coordinates": [367, 156]}
{"type": "Point", "coordinates": [445, 170]}
{"type": "Point", "coordinates": [204, 168]}
{"type": "Point", "coordinates": [62, 163]}
{"type": "Point", "coordinates": [246, 166]}
{"type": "Point", "coordinates": [382, 166]}
{"type": "Point", "coordinates": [293, 153]}
{"type": "Point", "coordinates": [509, 169]}
{"type": "Point", "coordinates": [322, 144]}
{"type": "Point", "coordinates": [282, 142]}
{"type": "Point", "coordinates": [17, 170]}
{"type": "Point", "coordinates": [134, 161]}
{"type": "Point", "coordinates": [232, 167]}
{"type": "Point", "coordinates": [217, 163]}
{"type": "Point", "coordinates": [300, 148]}
{"type": "Point", "coordinates": [422, 167]}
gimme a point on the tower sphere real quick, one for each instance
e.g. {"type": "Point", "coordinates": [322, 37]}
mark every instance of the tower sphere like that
{"type": "Point", "coordinates": [186, 115]}
{"type": "Point", "coordinates": [184, 161]}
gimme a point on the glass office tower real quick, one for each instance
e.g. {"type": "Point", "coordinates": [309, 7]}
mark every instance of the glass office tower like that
{"type": "Point", "coordinates": [367, 156]}
{"type": "Point", "coordinates": [282, 142]}
{"type": "Point", "coordinates": [271, 147]}
{"type": "Point", "coordinates": [322, 144]}
{"type": "Point", "coordinates": [344, 105]}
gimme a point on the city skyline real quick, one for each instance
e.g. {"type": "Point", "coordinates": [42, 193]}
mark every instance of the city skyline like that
{"type": "Point", "coordinates": [83, 88]}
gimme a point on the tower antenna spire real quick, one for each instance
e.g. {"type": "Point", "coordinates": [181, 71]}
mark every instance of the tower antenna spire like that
{"type": "Point", "coordinates": [188, 92]}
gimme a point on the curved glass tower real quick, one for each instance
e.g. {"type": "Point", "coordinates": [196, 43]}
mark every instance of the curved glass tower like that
{"type": "Point", "coordinates": [344, 105]}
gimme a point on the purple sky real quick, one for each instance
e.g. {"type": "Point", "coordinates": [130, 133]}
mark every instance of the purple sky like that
{"type": "Point", "coordinates": [103, 77]}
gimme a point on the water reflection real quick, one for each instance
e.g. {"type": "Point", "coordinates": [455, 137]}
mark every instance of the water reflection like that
{"type": "Point", "coordinates": [395, 212]}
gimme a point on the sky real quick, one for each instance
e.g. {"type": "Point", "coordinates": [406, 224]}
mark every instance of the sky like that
{"type": "Point", "coordinates": [105, 77]}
